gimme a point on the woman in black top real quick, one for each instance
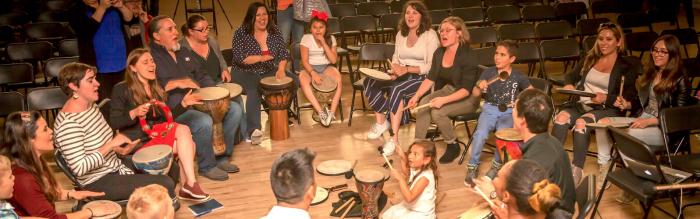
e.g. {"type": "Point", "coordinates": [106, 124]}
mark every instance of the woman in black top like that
{"type": "Point", "coordinates": [601, 72]}
{"type": "Point", "coordinates": [454, 72]}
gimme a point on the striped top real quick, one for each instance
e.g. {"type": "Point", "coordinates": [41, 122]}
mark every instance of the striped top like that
{"type": "Point", "coordinates": [79, 136]}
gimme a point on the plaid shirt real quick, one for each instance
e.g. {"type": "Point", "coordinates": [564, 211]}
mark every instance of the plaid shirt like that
{"type": "Point", "coordinates": [7, 211]}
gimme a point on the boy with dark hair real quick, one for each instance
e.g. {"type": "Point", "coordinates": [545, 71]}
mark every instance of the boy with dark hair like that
{"type": "Point", "coordinates": [293, 183]}
{"type": "Point", "coordinates": [500, 85]}
{"type": "Point", "coordinates": [531, 116]}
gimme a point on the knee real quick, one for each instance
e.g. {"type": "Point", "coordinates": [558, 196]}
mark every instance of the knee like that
{"type": "Point", "coordinates": [562, 118]}
{"type": "Point", "coordinates": [183, 131]}
{"type": "Point", "coordinates": [202, 123]}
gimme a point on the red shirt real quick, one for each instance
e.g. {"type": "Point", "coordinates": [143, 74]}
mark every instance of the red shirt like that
{"type": "Point", "coordinates": [28, 198]}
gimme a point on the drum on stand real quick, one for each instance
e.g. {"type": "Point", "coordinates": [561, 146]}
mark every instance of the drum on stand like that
{"type": "Point", "coordinates": [324, 92]}
{"type": "Point", "coordinates": [216, 104]}
{"type": "Point", "coordinates": [370, 182]}
{"type": "Point", "coordinates": [508, 143]}
{"type": "Point", "coordinates": [154, 160]}
{"type": "Point", "coordinates": [277, 93]}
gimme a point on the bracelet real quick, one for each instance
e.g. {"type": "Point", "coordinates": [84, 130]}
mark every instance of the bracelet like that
{"type": "Point", "coordinates": [91, 214]}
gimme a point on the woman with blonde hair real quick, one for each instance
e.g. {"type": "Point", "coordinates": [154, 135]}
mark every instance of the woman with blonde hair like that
{"type": "Point", "coordinates": [453, 74]}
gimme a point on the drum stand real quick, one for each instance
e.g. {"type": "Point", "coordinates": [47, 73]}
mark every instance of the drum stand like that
{"type": "Point", "coordinates": [197, 9]}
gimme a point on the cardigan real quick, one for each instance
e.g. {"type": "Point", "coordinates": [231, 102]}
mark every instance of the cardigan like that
{"type": "Point", "coordinates": [28, 198]}
{"type": "Point", "coordinates": [629, 67]}
{"type": "Point", "coordinates": [427, 40]}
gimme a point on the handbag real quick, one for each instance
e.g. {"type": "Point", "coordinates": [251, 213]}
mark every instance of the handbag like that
{"type": "Point", "coordinates": [303, 8]}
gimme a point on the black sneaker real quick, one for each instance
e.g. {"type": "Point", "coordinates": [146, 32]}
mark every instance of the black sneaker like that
{"type": "Point", "coordinates": [472, 172]}
{"type": "Point", "coordinates": [493, 171]}
{"type": "Point", "coordinates": [451, 153]}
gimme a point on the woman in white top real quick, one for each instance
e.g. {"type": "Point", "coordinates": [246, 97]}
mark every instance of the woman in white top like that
{"type": "Point", "coordinates": [419, 190]}
{"type": "Point", "coordinates": [318, 54]}
{"type": "Point", "coordinates": [413, 54]}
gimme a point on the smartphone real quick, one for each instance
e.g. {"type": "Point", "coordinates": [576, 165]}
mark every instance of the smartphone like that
{"type": "Point", "coordinates": [205, 207]}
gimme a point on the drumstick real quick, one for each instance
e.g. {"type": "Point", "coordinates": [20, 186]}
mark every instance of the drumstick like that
{"type": "Point", "coordinates": [416, 109]}
{"type": "Point", "coordinates": [483, 195]}
{"type": "Point", "coordinates": [622, 85]}
{"type": "Point", "coordinates": [344, 205]}
{"type": "Point", "coordinates": [352, 202]}
{"type": "Point", "coordinates": [387, 161]}
{"type": "Point", "coordinates": [103, 102]}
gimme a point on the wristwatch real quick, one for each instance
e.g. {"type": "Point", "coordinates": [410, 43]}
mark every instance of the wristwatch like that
{"type": "Point", "coordinates": [493, 195]}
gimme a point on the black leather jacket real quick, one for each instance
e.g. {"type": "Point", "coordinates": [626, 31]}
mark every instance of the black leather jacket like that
{"type": "Point", "coordinates": [629, 67]}
{"type": "Point", "coordinates": [679, 96]}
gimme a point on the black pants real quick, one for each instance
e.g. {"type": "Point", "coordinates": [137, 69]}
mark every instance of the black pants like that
{"type": "Point", "coordinates": [119, 187]}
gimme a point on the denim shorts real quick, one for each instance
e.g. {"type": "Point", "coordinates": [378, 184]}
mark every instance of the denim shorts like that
{"type": "Point", "coordinates": [319, 68]}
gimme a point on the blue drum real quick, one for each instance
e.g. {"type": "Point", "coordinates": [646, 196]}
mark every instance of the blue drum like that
{"type": "Point", "coordinates": [154, 160]}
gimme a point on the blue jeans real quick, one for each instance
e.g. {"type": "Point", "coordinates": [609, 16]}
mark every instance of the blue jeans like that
{"type": "Point", "coordinates": [285, 19]}
{"type": "Point", "coordinates": [201, 127]}
{"type": "Point", "coordinates": [490, 119]}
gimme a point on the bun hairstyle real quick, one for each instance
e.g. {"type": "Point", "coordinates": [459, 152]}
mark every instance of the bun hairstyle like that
{"type": "Point", "coordinates": [527, 182]}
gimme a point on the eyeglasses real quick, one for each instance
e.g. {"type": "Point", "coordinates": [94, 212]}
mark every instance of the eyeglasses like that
{"type": "Point", "coordinates": [206, 29]}
{"type": "Point", "coordinates": [447, 30]}
{"type": "Point", "coordinates": [607, 25]}
{"type": "Point", "coordinates": [659, 51]}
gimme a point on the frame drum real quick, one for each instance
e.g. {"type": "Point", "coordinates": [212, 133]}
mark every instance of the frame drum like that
{"type": "Point", "coordinates": [375, 74]}
{"type": "Point", "coordinates": [216, 104]}
{"type": "Point", "coordinates": [233, 89]}
{"type": "Point", "coordinates": [154, 160]}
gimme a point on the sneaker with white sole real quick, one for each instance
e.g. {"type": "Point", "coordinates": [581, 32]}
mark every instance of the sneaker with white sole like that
{"type": "Point", "coordinates": [323, 116]}
{"type": "Point", "coordinates": [377, 130]}
{"type": "Point", "coordinates": [330, 118]}
{"type": "Point", "coordinates": [256, 137]}
{"type": "Point", "coordinates": [389, 147]}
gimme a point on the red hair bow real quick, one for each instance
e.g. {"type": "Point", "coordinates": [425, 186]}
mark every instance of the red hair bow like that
{"type": "Point", "coordinates": [320, 15]}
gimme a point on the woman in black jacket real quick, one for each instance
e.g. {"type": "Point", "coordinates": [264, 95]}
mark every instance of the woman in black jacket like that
{"type": "Point", "coordinates": [601, 72]}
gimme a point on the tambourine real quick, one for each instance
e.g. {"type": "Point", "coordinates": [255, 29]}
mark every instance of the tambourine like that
{"type": "Point", "coordinates": [159, 132]}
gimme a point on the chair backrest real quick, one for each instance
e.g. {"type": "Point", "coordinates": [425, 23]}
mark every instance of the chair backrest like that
{"type": "Point", "coordinates": [51, 16]}
{"type": "Point", "coordinates": [588, 43]}
{"type": "Point", "coordinates": [12, 101]}
{"type": "Point", "coordinates": [334, 26]}
{"type": "Point", "coordinates": [492, 3]}
{"type": "Point", "coordinates": [542, 84]}
{"type": "Point", "coordinates": [7, 35]}
{"type": "Point", "coordinates": [51, 31]}
{"type": "Point", "coordinates": [589, 27]}
{"type": "Point", "coordinates": [640, 41]}
{"type": "Point", "coordinates": [521, 31]}
{"type": "Point", "coordinates": [685, 36]}
{"type": "Point", "coordinates": [503, 14]}
{"type": "Point", "coordinates": [466, 3]}
{"type": "Point", "coordinates": [632, 20]}
{"type": "Point", "coordinates": [553, 30]}
{"type": "Point", "coordinates": [375, 52]}
{"type": "Point", "coordinates": [570, 11]}
{"type": "Point", "coordinates": [358, 23]}
{"type": "Point", "coordinates": [397, 6]}
{"type": "Point", "coordinates": [68, 47]}
{"type": "Point", "coordinates": [58, 5]}
{"type": "Point", "coordinates": [484, 56]}
{"type": "Point", "coordinates": [585, 196]}
{"type": "Point", "coordinates": [31, 51]}
{"type": "Point", "coordinates": [376, 9]}
{"type": "Point", "coordinates": [483, 35]}
{"type": "Point", "coordinates": [605, 6]}
{"type": "Point", "coordinates": [228, 56]}
{"type": "Point", "coordinates": [438, 15]}
{"type": "Point", "coordinates": [296, 55]}
{"type": "Point", "coordinates": [633, 148]}
{"type": "Point", "coordinates": [533, 13]}
{"type": "Point", "coordinates": [54, 65]}
{"type": "Point", "coordinates": [16, 73]}
{"type": "Point", "coordinates": [46, 98]}
{"type": "Point", "coordinates": [560, 49]}
{"type": "Point", "coordinates": [342, 10]}
{"type": "Point", "coordinates": [63, 165]}
{"type": "Point", "coordinates": [14, 18]}
{"type": "Point", "coordinates": [389, 20]}
{"type": "Point", "coordinates": [471, 16]}
{"type": "Point", "coordinates": [438, 4]}
{"type": "Point", "coordinates": [677, 122]}
{"type": "Point", "coordinates": [528, 52]}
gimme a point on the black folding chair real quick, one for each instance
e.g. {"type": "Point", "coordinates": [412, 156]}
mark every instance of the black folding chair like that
{"type": "Point", "coordinates": [518, 32]}
{"type": "Point", "coordinates": [503, 14]}
{"type": "Point", "coordinates": [536, 13]}
{"type": "Point", "coordinates": [370, 52]}
{"type": "Point", "coordinates": [47, 100]}
{"type": "Point", "coordinates": [32, 52]}
{"type": "Point", "coordinates": [473, 16]}
{"type": "Point", "coordinates": [16, 75]}
{"type": "Point", "coordinates": [12, 102]}
{"type": "Point", "coordinates": [483, 36]}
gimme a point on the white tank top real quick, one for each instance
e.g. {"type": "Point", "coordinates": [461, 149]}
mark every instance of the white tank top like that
{"type": "Point", "coordinates": [425, 203]}
{"type": "Point", "coordinates": [596, 82]}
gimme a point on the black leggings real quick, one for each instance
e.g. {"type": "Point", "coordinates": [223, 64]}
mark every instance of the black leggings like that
{"type": "Point", "coordinates": [119, 187]}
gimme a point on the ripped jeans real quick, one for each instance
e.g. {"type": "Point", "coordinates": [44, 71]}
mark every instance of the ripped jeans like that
{"type": "Point", "coordinates": [576, 121]}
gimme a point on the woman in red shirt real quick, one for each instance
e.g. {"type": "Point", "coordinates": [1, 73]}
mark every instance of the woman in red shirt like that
{"type": "Point", "coordinates": [27, 137]}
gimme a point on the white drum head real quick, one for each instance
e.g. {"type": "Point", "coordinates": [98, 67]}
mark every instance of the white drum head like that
{"type": "Point", "coordinates": [378, 75]}
{"type": "Point", "coordinates": [321, 195]}
{"type": "Point", "coordinates": [272, 80]}
{"type": "Point", "coordinates": [114, 209]}
{"type": "Point", "coordinates": [508, 134]}
{"type": "Point", "coordinates": [152, 153]}
{"type": "Point", "coordinates": [212, 93]}
{"type": "Point", "coordinates": [233, 89]}
{"type": "Point", "coordinates": [334, 167]}
{"type": "Point", "coordinates": [328, 84]}
{"type": "Point", "coordinates": [369, 175]}
{"type": "Point", "coordinates": [604, 125]}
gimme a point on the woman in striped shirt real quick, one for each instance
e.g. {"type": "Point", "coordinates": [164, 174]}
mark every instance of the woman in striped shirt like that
{"type": "Point", "coordinates": [86, 142]}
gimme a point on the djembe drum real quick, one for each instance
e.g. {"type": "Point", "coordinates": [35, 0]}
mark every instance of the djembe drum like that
{"type": "Point", "coordinates": [325, 90]}
{"type": "Point", "coordinates": [154, 160]}
{"type": "Point", "coordinates": [369, 182]}
{"type": "Point", "coordinates": [277, 94]}
{"type": "Point", "coordinates": [216, 104]}
{"type": "Point", "coordinates": [508, 143]}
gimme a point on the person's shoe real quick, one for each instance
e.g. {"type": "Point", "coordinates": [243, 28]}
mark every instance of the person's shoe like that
{"type": "Point", "coordinates": [472, 172]}
{"type": "Point", "coordinates": [256, 137]}
{"type": "Point", "coordinates": [330, 117]}
{"type": "Point", "coordinates": [578, 174]}
{"type": "Point", "coordinates": [323, 116]}
{"type": "Point", "coordinates": [377, 130]}
{"type": "Point", "coordinates": [193, 193]}
{"type": "Point", "coordinates": [451, 153]}
{"type": "Point", "coordinates": [215, 174]}
{"type": "Point", "coordinates": [389, 147]}
{"type": "Point", "coordinates": [493, 171]}
{"type": "Point", "coordinates": [602, 173]}
{"type": "Point", "coordinates": [225, 165]}
{"type": "Point", "coordinates": [624, 198]}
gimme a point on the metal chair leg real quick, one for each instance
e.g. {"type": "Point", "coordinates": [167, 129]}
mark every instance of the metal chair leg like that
{"type": "Point", "coordinates": [352, 107]}
{"type": "Point", "coordinates": [469, 142]}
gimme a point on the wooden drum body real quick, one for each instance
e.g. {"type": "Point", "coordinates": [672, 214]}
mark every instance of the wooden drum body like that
{"type": "Point", "coordinates": [278, 96]}
{"type": "Point", "coordinates": [369, 182]}
{"type": "Point", "coordinates": [216, 104]}
{"type": "Point", "coordinates": [324, 92]}
{"type": "Point", "coordinates": [508, 143]}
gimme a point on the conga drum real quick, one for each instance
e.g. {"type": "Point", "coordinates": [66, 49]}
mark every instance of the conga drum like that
{"type": "Point", "coordinates": [216, 104]}
{"type": "Point", "coordinates": [369, 182]}
{"type": "Point", "coordinates": [278, 96]}
{"type": "Point", "coordinates": [324, 92]}
{"type": "Point", "coordinates": [154, 160]}
{"type": "Point", "coordinates": [508, 143]}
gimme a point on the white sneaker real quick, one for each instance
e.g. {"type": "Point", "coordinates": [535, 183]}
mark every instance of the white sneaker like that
{"type": "Point", "coordinates": [256, 137]}
{"type": "Point", "coordinates": [389, 147]}
{"type": "Point", "coordinates": [377, 130]}
{"type": "Point", "coordinates": [323, 116]}
{"type": "Point", "coordinates": [329, 117]}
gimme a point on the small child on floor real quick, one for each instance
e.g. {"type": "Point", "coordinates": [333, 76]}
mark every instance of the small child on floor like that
{"type": "Point", "coordinates": [150, 202]}
{"type": "Point", "coordinates": [419, 191]}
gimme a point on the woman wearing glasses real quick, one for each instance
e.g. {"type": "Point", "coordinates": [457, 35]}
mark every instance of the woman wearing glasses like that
{"type": "Point", "coordinates": [600, 72]}
{"type": "Point", "coordinates": [453, 72]}
{"type": "Point", "coordinates": [197, 39]}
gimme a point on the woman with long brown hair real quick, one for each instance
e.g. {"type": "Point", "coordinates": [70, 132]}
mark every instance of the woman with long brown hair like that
{"type": "Point", "coordinates": [26, 138]}
{"type": "Point", "coordinates": [601, 72]}
{"type": "Point", "coordinates": [134, 98]}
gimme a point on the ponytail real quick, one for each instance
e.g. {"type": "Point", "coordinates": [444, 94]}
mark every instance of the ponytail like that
{"type": "Point", "coordinates": [545, 196]}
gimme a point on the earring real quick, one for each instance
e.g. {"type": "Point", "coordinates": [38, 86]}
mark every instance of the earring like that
{"type": "Point", "coordinates": [75, 96]}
